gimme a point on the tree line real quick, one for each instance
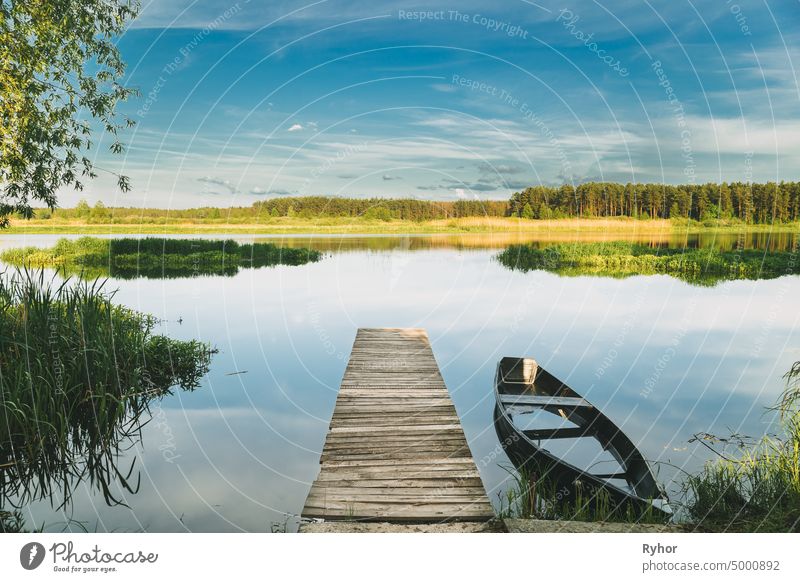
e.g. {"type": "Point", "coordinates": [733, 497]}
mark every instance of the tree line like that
{"type": "Point", "coordinates": [736, 201]}
{"type": "Point", "coordinates": [380, 208]}
{"type": "Point", "coordinates": [749, 203]}
{"type": "Point", "coordinates": [299, 207]}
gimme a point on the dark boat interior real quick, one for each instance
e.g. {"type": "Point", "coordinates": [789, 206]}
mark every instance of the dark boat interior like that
{"type": "Point", "coordinates": [542, 422]}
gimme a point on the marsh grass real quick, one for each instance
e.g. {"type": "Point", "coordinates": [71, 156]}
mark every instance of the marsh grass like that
{"type": "Point", "coordinates": [758, 490]}
{"type": "Point", "coordinates": [77, 375]}
{"type": "Point", "coordinates": [159, 258]}
{"type": "Point", "coordinates": [532, 495]}
{"type": "Point", "coordinates": [704, 266]}
{"type": "Point", "coordinates": [11, 522]}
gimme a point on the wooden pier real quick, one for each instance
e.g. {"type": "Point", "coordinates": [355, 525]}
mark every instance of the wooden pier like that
{"type": "Point", "coordinates": [395, 451]}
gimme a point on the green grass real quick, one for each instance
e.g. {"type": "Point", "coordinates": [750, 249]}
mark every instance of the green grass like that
{"type": "Point", "coordinates": [11, 522]}
{"type": "Point", "coordinates": [621, 259]}
{"type": "Point", "coordinates": [160, 258]}
{"type": "Point", "coordinates": [759, 489]}
{"type": "Point", "coordinates": [532, 495]}
{"type": "Point", "coordinates": [77, 376]}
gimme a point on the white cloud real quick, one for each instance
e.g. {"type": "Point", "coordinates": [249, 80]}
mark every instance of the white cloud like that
{"type": "Point", "coordinates": [295, 127]}
{"type": "Point", "coordinates": [735, 135]}
{"type": "Point", "coordinates": [215, 181]}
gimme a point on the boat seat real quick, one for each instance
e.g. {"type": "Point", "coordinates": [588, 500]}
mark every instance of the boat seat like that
{"type": "Point", "coordinates": [541, 401]}
{"type": "Point", "coordinates": [567, 432]}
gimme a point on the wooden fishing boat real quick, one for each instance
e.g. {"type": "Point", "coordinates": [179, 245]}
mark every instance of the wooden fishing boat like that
{"type": "Point", "coordinates": [524, 393]}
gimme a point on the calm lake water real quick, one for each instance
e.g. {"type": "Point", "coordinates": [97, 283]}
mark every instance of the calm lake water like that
{"type": "Point", "coordinates": [662, 358]}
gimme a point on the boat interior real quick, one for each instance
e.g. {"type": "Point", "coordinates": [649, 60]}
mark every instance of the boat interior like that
{"type": "Point", "coordinates": [558, 421]}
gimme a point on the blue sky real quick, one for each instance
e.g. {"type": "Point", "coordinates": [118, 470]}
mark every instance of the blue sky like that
{"type": "Point", "coordinates": [245, 100]}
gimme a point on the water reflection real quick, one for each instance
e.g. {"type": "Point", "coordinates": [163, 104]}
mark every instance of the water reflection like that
{"type": "Point", "coordinates": [668, 238]}
{"type": "Point", "coordinates": [78, 377]}
{"type": "Point", "coordinates": [780, 241]}
{"type": "Point", "coordinates": [155, 258]}
{"type": "Point", "coordinates": [661, 358]}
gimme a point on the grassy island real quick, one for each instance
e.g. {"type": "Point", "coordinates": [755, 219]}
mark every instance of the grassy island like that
{"type": "Point", "coordinates": [621, 259]}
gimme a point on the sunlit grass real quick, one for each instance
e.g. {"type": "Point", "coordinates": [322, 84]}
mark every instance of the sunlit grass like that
{"type": "Point", "coordinates": [361, 225]}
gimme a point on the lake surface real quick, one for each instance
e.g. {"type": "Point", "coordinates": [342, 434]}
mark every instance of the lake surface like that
{"type": "Point", "coordinates": [662, 358]}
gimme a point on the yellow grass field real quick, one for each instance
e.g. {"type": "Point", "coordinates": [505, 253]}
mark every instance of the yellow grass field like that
{"type": "Point", "coordinates": [602, 227]}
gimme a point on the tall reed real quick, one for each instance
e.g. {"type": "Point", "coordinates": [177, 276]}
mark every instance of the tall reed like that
{"type": "Point", "coordinates": [757, 490]}
{"type": "Point", "coordinates": [77, 374]}
{"type": "Point", "coordinates": [535, 494]}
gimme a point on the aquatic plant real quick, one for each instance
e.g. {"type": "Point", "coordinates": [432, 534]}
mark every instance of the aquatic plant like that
{"type": "Point", "coordinates": [11, 522]}
{"type": "Point", "coordinates": [621, 259]}
{"type": "Point", "coordinates": [758, 489]}
{"type": "Point", "coordinates": [158, 258]}
{"type": "Point", "coordinates": [77, 376]}
{"type": "Point", "coordinates": [534, 494]}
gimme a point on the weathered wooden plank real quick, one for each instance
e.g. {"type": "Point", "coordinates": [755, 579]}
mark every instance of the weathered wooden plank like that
{"type": "Point", "coordinates": [420, 429]}
{"type": "Point", "coordinates": [396, 494]}
{"type": "Point", "coordinates": [426, 487]}
{"type": "Point", "coordinates": [436, 508]}
{"type": "Point", "coordinates": [393, 442]}
{"type": "Point", "coordinates": [392, 393]}
{"type": "Point", "coordinates": [395, 422]}
{"type": "Point", "coordinates": [441, 451]}
{"type": "Point", "coordinates": [433, 417]}
{"type": "Point", "coordinates": [395, 449]}
{"type": "Point", "coordinates": [444, 467]}
{"type": "Point", "coordinates": [393, 404]}
{"type": "Point", "coordinates": [387, 454]}
{"type": "Point", "coordinates": [366, 475]}
{"type": "Point", "coordinates": [392, 453]}
{"type": "Point", "coordinates": [359, 510]}
{"type": "Point", "coordinates": [409, 465]}
{"type": "Point", "coordinates": [390, 387]}
{"type": "Point", "coordinates": [388, 426]}
{"type": "Point", "coordinates": [380, 412]}
{"type": "Point", "coordinates": [422, 418]}
{"type": "Point", "coordinates": [392, 396]}
{"type": "Point", "coordinates": [382, 472]}
{"type": "Point", "coordinates": [392, 496]}
{"type": "Point", "coordinates": [416, 480]}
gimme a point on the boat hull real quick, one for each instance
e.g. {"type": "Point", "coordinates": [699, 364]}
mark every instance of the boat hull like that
{"type": "Point", "coordinates": [567, 484]}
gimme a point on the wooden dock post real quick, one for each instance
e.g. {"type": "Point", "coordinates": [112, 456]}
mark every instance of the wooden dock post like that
{"type": "Point", "coordinates": [395, 451]}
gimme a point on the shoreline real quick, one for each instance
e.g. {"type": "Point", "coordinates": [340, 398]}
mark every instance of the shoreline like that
{"type": "Point", "coordinates": [336, 226]}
